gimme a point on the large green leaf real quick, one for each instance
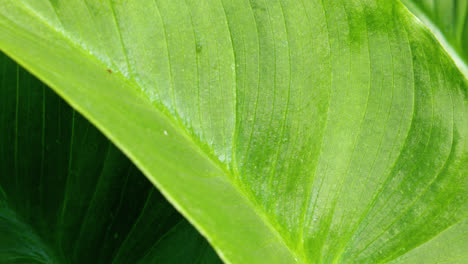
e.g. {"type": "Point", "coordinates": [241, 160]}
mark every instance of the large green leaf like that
{"type": "Point", "coordinates": [285, 131]}
{"type": "Point", "coordinates": [67, 195]}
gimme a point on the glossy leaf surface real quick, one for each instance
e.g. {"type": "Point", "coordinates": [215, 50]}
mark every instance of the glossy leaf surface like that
{"type": "Point", "coordinates": [285, 131]}
{"type": "Point", "coordinates": [67, 195]}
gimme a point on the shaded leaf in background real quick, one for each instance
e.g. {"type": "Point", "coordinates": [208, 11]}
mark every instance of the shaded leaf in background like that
{"type": "Point", "coordinates": [67, 195]}
{"type": "Point", "coordinates": [448, 20]}
{"type": "Point", "coordinates": [284, 130]}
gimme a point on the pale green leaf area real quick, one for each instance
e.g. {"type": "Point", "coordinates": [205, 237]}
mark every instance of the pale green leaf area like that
{"type": "Point", "coordinates": [285, 131]}
{"type": "Point", "coordinates": [67, 195]}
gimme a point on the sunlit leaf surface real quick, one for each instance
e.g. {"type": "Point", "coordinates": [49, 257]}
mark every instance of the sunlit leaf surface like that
{"type": "Point", "coordinates": [286, 131]}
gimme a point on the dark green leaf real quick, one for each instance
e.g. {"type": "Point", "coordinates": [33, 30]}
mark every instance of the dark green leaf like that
{"type": "Point", "coordinates": [67, 195]}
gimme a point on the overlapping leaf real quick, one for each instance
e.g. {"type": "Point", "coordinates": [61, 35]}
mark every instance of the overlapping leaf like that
{"type": "Point", "coordinates": [67, 195]}
{"type": "Point", "coordinates": [448, 20]}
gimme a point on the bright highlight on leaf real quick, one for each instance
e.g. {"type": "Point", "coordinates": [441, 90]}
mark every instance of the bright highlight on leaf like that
{"type": "Point", "coordinates": [285, 131]}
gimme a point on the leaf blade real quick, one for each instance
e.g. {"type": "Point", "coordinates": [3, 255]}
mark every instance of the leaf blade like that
{"type": "Point", "coordinates": [372, 60]}
{"type": "Point", "coordinates": [65, 195]}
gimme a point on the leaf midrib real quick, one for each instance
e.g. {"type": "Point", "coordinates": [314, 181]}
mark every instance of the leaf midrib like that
{"type": "Point", "coordinates": [300, 258]}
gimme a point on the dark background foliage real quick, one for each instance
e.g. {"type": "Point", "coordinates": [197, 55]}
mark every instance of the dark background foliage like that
{"type": "Point", "coordinates": [68, 195]}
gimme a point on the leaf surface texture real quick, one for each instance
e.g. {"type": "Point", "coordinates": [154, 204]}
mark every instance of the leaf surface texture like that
{"type": "Point", "coordinates": [286, 131]}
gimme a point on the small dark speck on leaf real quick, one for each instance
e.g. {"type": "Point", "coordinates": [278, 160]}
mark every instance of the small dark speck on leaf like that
{"type": "Point", "coordinates": [109, 70]}
{"type": "Point", "coordinates": [199, 47]}
{"type": "Point", "coordinates": [259, 7]}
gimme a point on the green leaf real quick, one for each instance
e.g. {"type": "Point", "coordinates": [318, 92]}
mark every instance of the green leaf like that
{"type": "Point", "coordinates": [448, 20]}
{"type": "Point", "coordinates": [285, 131]}
{"type": "Point", "coordinates": [67, 195]}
